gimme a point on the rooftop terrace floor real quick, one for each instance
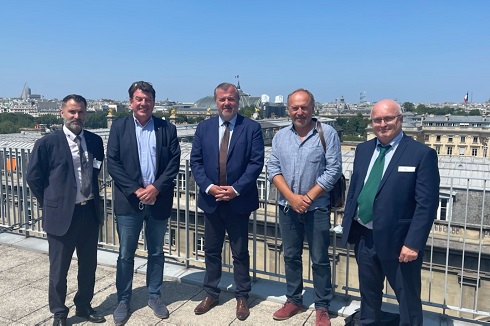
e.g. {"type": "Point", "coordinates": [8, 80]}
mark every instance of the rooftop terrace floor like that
{"type": "Point", "coordinates": [24, 270]}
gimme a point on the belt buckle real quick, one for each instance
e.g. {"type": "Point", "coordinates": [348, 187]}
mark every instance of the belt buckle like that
{"type": "Point", "coordinates": [83, 203]}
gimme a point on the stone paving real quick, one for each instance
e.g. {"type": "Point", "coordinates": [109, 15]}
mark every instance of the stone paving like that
{"type": "Point", "coordinates": [24, 269]}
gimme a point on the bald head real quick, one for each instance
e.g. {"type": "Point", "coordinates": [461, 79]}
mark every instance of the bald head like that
{"type": "Point", "coordinates": [387, 120]}
{"type": "Point", "coordinates": [387, 103]}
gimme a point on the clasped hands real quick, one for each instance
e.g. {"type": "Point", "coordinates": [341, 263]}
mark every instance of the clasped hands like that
{"type": "Point", "coordinates": [148, 194]}
{"type": "Point", "coordinates": [299, 203]}
{"type": "Point", "coordinates": [222, 193]}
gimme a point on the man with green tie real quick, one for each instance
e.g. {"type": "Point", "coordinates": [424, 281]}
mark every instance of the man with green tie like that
{"type": "Point", "coordinates": [391, 203]}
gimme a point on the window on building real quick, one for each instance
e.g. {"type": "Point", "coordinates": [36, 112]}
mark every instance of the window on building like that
{"type": "Point", "coordinates": [198, 242]}
{"type": "Point", "coordinates": [475, 139]}
{"type": "Point", "coordinates": [450, 138]}
{"type": "Point", "coordinates": [474, 152]}
{"type": "Point", "coordinates": [444, 208]}
{"type": "Point", "coordinates": [438, 138]}
{"type": "Point", "coordinates": [449, 150]}
{"type": "Point", "coordinates": [463, 139]}
{"type": "Point", "coordinates": [461, 151]}
{"type": "Point", "coordinates": [426, 137]}
{"type": "Point", "coordinates": [438, 150]}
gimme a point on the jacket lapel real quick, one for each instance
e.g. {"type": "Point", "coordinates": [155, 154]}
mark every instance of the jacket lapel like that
{"type": "Point", "coordinates": [160, 137]}
{"type": "Point", "coordinates": [237, 130]}
{"type": "Point", "coordinates": [394, 160]}
{"type": "Point", "coordinates": [67, 150]}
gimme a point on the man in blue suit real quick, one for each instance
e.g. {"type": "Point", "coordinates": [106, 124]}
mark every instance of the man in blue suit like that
{"type": "Point", "coordinates": [391, 204]}
{"type": "Point", "coordinates": [143, 158]}
{"type": "Point", "coordinates": [63, 175]}
{"type": "Point", "coordinates": [226, 159]}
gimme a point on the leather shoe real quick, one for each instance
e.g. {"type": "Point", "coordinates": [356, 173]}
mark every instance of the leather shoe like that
{"type": "Point", "coordinates": [90, 314]}
{"type": "Point", "coordinates": [242, 311]}
{"type": "Point", "coordinates": [59, 321]}
{"type": "Point", "coordinates": [207, 303]}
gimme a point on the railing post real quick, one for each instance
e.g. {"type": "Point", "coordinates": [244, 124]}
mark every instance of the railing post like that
{"type": "Point", "coordinates": [25, 204]}
{"type": "Point", "coordinates": [187, 252]}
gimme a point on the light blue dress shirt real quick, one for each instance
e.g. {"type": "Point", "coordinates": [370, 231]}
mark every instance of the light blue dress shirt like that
{"type": "Point", "coordinates": [147, 144]}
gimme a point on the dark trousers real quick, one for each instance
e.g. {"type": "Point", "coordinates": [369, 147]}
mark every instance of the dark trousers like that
{"type": "Point", "coordinates": [236, 225]}
{"type": "Point", "coordinates": [82, 236]}
{"type": "Point", "coordinates": [404, 278]}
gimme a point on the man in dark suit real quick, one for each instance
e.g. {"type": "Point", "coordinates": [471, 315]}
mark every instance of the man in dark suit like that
{"type": "Point", "coordinates": [391, 204]}
{"type": "Point", "coordinates": [143, 158]}
{"type": "Point", "coordinates": [63, 175]}
{"type": "Point", "coordinates": [227, 157]}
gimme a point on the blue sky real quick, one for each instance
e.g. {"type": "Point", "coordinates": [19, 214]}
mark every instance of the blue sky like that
{"type": "Point", "coordinates": [418, 51]}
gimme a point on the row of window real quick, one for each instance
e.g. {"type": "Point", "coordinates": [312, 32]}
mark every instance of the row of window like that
{"type": "Point", "coordinates": [450, 138]}
{"type": "Point", "coordinates": [450, 150]}
{"type": "Point", "coordinates": [454, 124]}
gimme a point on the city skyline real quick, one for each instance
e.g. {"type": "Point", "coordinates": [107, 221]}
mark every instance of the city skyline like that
{"type": "Point", "coordinates": [417, 51]}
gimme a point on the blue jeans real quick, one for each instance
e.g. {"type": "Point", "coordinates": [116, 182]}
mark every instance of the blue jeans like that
{"type": "Point", "coordinates": [316, 226]}
{"type": "Point", "coordinates": [128, 229]}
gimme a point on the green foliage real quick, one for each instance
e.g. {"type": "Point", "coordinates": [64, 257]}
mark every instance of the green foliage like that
{"type": "Point", "coordinates": [474, 112]}
{"type": "Point", "coordinates": [408, 107]}
{"type": "Point", "coordinates": [248, 111]}
{"type": "Point", "coordinates": [353, 128]}
{"type": "Point", "coordinates": [96, 120]}
{"type": "Point", "coordinates": [422, 109]}
{"type": "Point", "coordinates": [122, 114]}
{"type": "Point", "coordinates": [12, 122]}
{"type": "Point", "coordinates": [8, 127]}
{"type": "Point", "coordinates": [49, 119]}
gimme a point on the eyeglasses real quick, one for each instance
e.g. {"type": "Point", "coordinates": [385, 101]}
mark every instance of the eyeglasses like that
{"type": "Point", "coordinates": [387, 119]}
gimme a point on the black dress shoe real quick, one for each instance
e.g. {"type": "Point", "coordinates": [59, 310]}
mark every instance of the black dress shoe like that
{"type": "Point", "coordinates": [59, 321]}
{"type": "Point", "coordinates": [90, 314]}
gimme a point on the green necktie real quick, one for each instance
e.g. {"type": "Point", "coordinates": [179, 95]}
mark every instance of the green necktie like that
{"type": "Point", "coordinates": [365, 200]}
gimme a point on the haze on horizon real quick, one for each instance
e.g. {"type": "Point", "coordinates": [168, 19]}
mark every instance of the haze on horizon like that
{"type": "Point", "coordinates": [415, 51]}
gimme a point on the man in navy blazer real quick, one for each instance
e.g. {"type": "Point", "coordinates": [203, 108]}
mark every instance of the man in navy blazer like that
{"type": "Point", "coordinates": [391, 236]}
{"type": "Point", "coordinates": [143, 158]}
{"type": "Point", "coordinates": [71, 218]}
{"type": "Point", "coordinates": [226, 173]}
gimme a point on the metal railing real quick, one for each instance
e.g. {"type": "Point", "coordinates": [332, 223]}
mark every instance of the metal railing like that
{"type": "Point", "coordinates": [456, 270]}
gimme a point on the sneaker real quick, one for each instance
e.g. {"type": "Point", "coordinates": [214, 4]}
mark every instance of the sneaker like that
{"type": "Point", "coordinates": [121, 314]}
{"type": "Point", "coordinates": [159, 308]}
{"type": "Point", "coordinates": [287, 311]}
{"type": "Point", "coordinates": [322, 318]}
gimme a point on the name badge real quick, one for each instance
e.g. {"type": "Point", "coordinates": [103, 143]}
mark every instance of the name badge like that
{"type": "Point", "coordinates": [406, 169]}
{"type": "Point", "coordinates": [97, 164]}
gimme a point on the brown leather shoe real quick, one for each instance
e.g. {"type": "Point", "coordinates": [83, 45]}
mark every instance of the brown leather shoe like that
{"type": "Point", "coordinates": [242, 311]}
{"type": "Point", "coordinates": [287, 311]}
{"type": "Point", "coordinates": [322, 318]}
{"type": "Point", "coordinates": [207, 303]}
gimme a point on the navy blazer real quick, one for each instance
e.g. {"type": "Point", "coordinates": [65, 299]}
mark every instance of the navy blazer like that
{"type": "Point", "coordinates": [406, 202]}
{"type": "Point", "coordinates": [244, 164]}
{"type": "Point", "coordinates": [123, 164]}
{"type": "Point", "coordinates": [51, 178]}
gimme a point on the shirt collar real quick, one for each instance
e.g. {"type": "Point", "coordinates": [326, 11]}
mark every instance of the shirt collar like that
{"type": "Point", "coordinates": [394, 142]}
{"type": "Point", "coordinates": [232, 121]}
{"type": "Point", "coordinates": [70, 134]}
{"type": "Point", "coordinates": [138, 124]}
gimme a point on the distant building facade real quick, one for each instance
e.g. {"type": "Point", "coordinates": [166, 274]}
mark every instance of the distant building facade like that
{"type": "Point", "coordinates": [449, 135]}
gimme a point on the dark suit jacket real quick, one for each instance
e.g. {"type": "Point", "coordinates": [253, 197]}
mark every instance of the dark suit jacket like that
{"type": "Point", "coordinates": [52, 180]}
{"type": "Point", "coordinates": [243, 167]}
{"type": "Point", "coordinates": [406, 202]}
{"type": "Point", "coordinates": [123, 165]}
